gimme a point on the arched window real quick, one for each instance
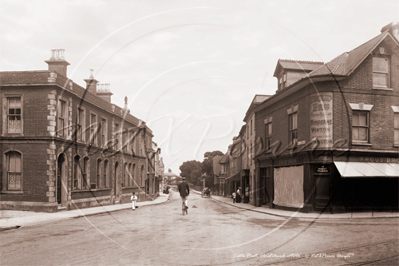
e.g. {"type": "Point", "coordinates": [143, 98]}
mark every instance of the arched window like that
{"type": "Point", "coordinates": [106, 174]}
{"type": "Point", "coordinates": [130, 175]}
{"type": "Point", "coordinates": [99, 184]}
{"type": "Point", "coordinates": [141, 175]}
{"type": "Point", "coordinates": [85, 173]}
{"type": "Point", "coordinates": [125, 176]}
{"type": "Point", "coordinates": [134, 175]}
{"type": "Point", "coordinates": [76, 173]}
{"type": "Point", "coordinates": [14, 171]}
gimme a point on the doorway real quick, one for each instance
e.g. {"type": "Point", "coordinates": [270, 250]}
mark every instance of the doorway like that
{"type": "Point", "coordinates": [61, 192]}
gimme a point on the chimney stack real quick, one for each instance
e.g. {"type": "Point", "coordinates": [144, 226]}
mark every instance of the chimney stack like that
{"type": "Point", "coordinates": [91, 83]}
{"type": "Point", "coordinates": [104, 92]}
{"type": "Point", "coordinates": [393, 28]}
{"type": "Point", "coordinates": [57, 62]}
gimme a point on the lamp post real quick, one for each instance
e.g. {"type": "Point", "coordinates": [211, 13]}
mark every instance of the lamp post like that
{"type": "Point", "coordinates": [203, 180]}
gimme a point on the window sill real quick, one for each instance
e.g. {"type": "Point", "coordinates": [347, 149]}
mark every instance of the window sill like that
{"type": "Point", "coordinates": [361, 144]}
{"type": "Point", "coordinates": [88, 190]}
{"type": "Point", "coordinates": [11, 192]}
{"type": "Point", "coordinates": [382, 88]}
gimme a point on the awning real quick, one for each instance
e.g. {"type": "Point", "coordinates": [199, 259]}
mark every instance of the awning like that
{"type": "Point", "coordinates": [362, 169]}
{"type": "Point", "coordinates": [235, 177]}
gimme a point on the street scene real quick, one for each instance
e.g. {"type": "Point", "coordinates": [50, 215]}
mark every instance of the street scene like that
{"type": "Point", "coordinates": [174, 132]}
{"type": "Point", "coordinates": [213, 233]}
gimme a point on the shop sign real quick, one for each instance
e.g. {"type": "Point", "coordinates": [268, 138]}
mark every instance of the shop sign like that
{"type": "Point", "coordinates": [322, 169]}
{"type": "Point", "coordinates": [321, 120]}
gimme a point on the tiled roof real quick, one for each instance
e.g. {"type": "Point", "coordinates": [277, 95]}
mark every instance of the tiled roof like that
{"type": "Point", "coordinates": [296, 65]}
{"type": "Point", "coordinates": [225, 159]}
{"type": "Point", "coordinates": [345, 63]}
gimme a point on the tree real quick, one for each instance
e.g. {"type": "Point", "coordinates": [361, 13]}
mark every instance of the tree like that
{"type": "Point", "coordinates": [192, 170]}
{"type": "Point", "coordinates": [207, 167]}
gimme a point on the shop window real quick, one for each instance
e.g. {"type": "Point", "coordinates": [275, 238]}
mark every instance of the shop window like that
{"type": "Point", "coordinates": [360, 126]}
{"type": "Point", "coordinates": [13, 176]}
{"type": "Point", "coordinates": [13, 110]}
{"type": "Point", "coordinates": [293, 127]}
{"type": "Point", "coordinates": [62, 123]}
{"type": "Point", "coordinates": [381, 71]}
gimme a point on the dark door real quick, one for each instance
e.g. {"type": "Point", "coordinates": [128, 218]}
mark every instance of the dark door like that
{"type": "Point", "coordinates": [60, 171]}
{"type": "Point", "coordinates": [116, 178]}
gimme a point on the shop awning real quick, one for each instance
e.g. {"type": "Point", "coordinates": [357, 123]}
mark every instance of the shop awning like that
{"type": "Point", "coordinates": [234, 177]}
{"type": "Point", "coordinates": [362, 169]}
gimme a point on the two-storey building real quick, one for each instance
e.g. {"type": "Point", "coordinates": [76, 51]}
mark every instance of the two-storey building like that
{"type": "Point", "coordinates": [330, 135]}
{"type": "Point", "coordinates": [64, 146]}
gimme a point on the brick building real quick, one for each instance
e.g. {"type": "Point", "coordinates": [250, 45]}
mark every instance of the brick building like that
{"type": "Point", "coordinates": [329, 138]}
{"type": "Point", "coordinates": [65, 147]}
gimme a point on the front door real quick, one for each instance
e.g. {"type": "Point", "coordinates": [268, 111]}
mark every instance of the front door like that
{"type": "Point", "coordinates": [59, 175]}
{"type": "Point", "coordinates": [116, 178]}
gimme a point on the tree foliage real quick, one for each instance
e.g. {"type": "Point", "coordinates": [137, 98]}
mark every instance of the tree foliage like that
{"type": "Point", "coordinates": [193, 170]}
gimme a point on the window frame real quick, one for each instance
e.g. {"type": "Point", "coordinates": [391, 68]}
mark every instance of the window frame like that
{"type": "Point", "coordinates": [76, 178]}
{"type": "Point", "coordinates": [86, 173]}
{"type": "Point", "coordinates": [6, 160]}
{"type": "Point", "coordinates": [6, 98]}
{"type": "Point", "coordinates": [293, 132]}
{"type": "Point", "coordinates": [367, 112]}
{"type": "Point", "coordinates": [104, 131]}
{"type": "Point", "coordinates": [105, 174]}
{"type": "Point", "coordinates": [388, 73]}
{"type": "Point", "coordinates": [81, 125]}
{"type": "Point", "coordinates": [93, 129]}
{"type": "Point", "coordinates": [99, 174]}
{"type": "Point", "coordinates": [396, 129]}
{"type": "Point", "coordinates": [268, 132]}
{"type": "Point", "coordinates": [64, 117]}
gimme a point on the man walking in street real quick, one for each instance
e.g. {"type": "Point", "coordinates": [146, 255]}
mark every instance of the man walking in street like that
{"type": "Point", "coordinates": [184, 191]}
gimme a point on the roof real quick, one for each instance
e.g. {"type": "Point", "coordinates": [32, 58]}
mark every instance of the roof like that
{"type": "Point", "coordinates": [345, 63]}
{"type": "Point", "coordinates": [259, 98]}
{"type": "Point", "coordinates": [296, 65]}
{"type": "Point", "coordinates": [224, 159]}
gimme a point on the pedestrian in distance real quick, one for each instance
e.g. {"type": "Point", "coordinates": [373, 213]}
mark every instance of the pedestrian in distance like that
{"type": "Point", "coordinates": [133, 198]}
{"type": "Point", "coordinates": [238, 195]}
{"type": "Point", "coordinates": [234, 197]}
{"type": "Point", "coordinates": [184, 191]}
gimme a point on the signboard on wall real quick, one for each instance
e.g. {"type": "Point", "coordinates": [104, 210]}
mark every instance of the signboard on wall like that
{"type": "Point", "coordinates": [321, 118]}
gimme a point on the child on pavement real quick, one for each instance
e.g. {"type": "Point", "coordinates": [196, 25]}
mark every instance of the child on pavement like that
{"type": "Point", "coordinates": [234, 197]}
{"type": "Point", "coordinates": [133, 198]}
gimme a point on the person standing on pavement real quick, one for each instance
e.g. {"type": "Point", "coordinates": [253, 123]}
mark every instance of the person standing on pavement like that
{"type": "Point", "coordinates": [238, 195]}
{"type": "Point", "coordinates": [184, 191]}
{"type": "Point", "coordinates": [133, 198]}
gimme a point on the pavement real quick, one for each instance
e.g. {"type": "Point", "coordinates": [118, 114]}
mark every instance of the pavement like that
{"type": "Point", "coordinates": [16, 219]}
{"type": "Point", "coordinates": [297, 214]}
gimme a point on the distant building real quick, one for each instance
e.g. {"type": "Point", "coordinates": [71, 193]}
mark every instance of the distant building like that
{"type": "Point", "coordinates": [65, 147]}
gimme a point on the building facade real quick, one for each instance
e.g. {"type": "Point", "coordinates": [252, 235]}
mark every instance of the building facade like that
{"type": "Point", "coordinates": [66, 147]}
{"type": "Point", "coordinates": [329, 138]}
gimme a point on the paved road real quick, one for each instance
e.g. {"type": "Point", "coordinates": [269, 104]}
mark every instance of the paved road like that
{"type": "Point", "coordinates": [212, 233]}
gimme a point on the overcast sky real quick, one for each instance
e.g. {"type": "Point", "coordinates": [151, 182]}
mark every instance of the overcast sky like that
{"type": "Point", "coordinates": [190, 69]}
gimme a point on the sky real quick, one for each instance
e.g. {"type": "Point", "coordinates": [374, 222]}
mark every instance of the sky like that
{"type": "Point", "coordinates": [190, 68]}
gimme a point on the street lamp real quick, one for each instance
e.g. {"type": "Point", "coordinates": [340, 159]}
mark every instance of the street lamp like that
{"type": "Point", "coordinates": [203, 180]}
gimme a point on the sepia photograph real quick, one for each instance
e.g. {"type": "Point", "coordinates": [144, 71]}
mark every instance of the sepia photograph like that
{"type": "Point", "coordinates": [199, 132]}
